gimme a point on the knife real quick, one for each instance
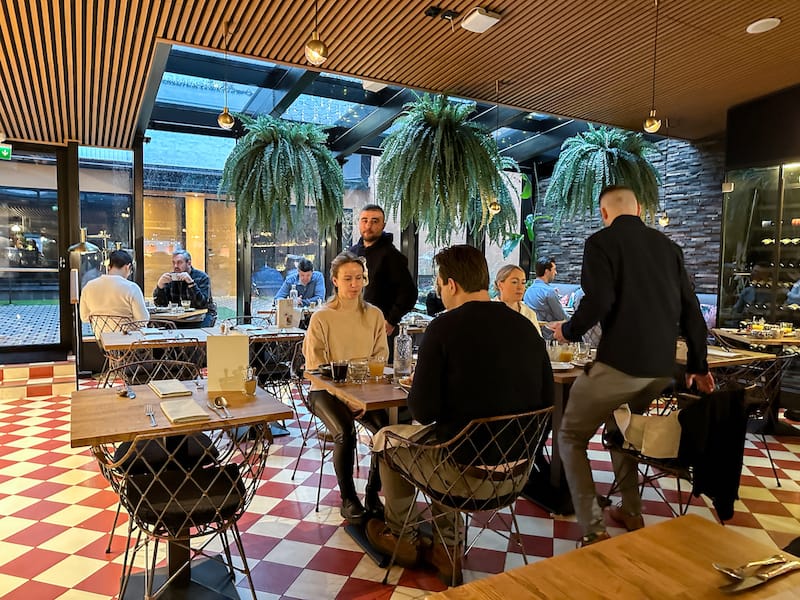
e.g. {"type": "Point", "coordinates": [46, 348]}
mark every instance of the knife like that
{"type": "Point", "coordinates": [759, 578]}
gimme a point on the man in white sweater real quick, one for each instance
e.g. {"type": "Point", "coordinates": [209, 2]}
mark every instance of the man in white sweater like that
{"type": "Point", "coordinates": [114, 294]}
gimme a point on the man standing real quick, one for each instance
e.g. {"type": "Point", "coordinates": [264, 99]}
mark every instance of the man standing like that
{"type": "Point", "coordinates": [113, 293]}
{"type": "Point", "coordinates": [310, 284]}
{"type": "Point", "coordinates": [186, 283]}
{"type": "Point", "coordinates": [637, 288]}
{"type": "Point", "coordinates": [446, 393]}
{"type": "Point", "coordinates": [542, 297]}
{"type": "Point", "coordinates": [391, 287]}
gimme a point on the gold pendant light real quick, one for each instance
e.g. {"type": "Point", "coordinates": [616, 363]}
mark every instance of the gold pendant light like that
{"type": "Point", "coordinates": [315, 49]}
{"type": "Point", "coordinates": [225, 118]}
{"type": "Point", "coordinates": [494, 206]}
{"type": "Point", "coordinates": [652, 123]}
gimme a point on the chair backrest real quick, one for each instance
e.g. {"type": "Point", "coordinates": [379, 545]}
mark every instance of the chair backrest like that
{"type": "Point", "coordinates": [255, 321]}
{"type": "Point", "coordinates": [102, 323]}
{"type": "Point", "coordinates": [139, 372]}
{"type": "Point", "coordinates": [159, 323]}
{"type": "Point", "coordinates": [183, 349]}
{"type": "Point", "coordinates": [484, 467]}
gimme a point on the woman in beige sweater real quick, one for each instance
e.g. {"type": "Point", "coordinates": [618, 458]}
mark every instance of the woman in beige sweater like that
{"type": "Point", "coordinates": [347, 327]}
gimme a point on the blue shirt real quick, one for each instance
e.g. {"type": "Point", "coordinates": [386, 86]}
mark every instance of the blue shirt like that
{"type": "Point", "coordinates": [542, 298]}
{"type": "Point", "coordinates": [314, 291]}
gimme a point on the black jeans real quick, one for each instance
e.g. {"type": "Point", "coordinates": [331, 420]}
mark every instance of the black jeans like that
{"type": "Point", "coordinates": [339, 420]}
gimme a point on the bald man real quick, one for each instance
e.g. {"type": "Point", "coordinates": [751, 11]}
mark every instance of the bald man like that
{"type": "Point", "coordinates": [638, 290]}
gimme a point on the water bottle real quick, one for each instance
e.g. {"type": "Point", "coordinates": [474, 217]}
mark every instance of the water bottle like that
{"type": "Point", "coordinates": [293, 296]}
{"type": "Point", "coordinates": [402, 353]}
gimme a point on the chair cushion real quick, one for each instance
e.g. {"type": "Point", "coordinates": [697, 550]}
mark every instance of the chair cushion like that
{"type": "Point", "coordinates": [152, 455]}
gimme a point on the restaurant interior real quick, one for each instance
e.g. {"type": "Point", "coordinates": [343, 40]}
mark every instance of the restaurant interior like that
{"type": "Point", "coordinates": [111, 135]}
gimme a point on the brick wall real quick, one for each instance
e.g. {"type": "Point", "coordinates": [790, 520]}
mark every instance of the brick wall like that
{"type": "Point", "coordinates": [692, 197]}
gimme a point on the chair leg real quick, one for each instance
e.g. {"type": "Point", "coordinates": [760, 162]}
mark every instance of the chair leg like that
{"type": "Point", "coordinates": [237, 538]}
{"type": "Point", "coordinates": [127, 567]}
{"type": "Point", "coordinates": [405, 525]}
{"type": "Point", "coordinates": [771, 462]}
{"type": "Point", "coordinates": [113, 527]}
{"type": "Point", "coordinates": [518, 534]}
{"type": "Point", "coordinates": [323, 454]}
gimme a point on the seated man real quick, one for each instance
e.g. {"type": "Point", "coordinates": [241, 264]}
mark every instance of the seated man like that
{"type": "Point", "coordinates": [456, 381]}
{"type": "Point", "coordinates": [542, 297]}
{"type": "Point", "coordinates": [310, 284]}
{"type": "Point", "coordinates": [186, 283]}
{"type": "Point", "coordinates": [113, 293]}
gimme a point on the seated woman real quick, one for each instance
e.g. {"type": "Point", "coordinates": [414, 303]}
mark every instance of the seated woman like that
{"type": "Point", "coordinates": [347, 327]}
{"type": "Point", "coordinates": [510, 284]}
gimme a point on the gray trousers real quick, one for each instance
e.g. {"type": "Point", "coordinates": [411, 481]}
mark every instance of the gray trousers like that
{"type": "Point", "coordinates": [592, 399]}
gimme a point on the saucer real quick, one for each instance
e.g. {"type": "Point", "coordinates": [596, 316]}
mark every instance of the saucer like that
{"type": "Point", "coordinates": [561, 366]}
{"type": "Point", "coordinates": [582, 363]}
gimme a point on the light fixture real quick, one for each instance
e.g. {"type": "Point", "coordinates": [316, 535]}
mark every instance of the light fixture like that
{"type": "Point", "coordinates": [652, 123]}
{"type": "Point", "coordinates": [316, 50]}
{"type": "Point", "coordinates": [494, 206]}
{"type": "Point", "coordinates": [663, 219]}
{"type": "Point", "coordinates": [225, 118]}
{"type": "Point", "coordinates": [763, 25]}
{"type": "Point", "coordinates": [76, 252]}
{"type": "Point", "coordinates": [479, 20]}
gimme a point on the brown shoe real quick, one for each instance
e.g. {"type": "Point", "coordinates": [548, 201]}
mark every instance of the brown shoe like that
{"type": "Point", "coordinates": [593, 538]}
{"type": "Point", "coordinates": [631, 522]}
{"type": "Point", "coordinates": [439, 557]}
{"type": "Point", "coordinates": [325, 435]}
{"type": "Point", "coordinates": [383, 540]}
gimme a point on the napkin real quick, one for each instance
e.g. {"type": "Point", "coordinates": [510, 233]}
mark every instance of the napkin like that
{"type": "Point", "coordinates": [168, 388]}
{"type": "Point", "coordinates": [185, 410]}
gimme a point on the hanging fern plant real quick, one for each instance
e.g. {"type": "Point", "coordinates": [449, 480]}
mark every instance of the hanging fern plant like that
{"type": "Point", "coordinates": [276, 169]}
{"type": "Point", "coordinates": [443, 171]}
{"type": "Point", "coordinates": [593, 159]}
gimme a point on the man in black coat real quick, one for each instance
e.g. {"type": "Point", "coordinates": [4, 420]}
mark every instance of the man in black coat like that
{"type": "Point", "coordinates": [391, 287]}
{"type": "Point", "coordinates": [638, 290]}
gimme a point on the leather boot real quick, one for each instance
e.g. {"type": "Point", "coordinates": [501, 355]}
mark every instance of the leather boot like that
{"type": "Point", "coordinates": [447, 561]}
{"type": "Point", "coordinates": [353, 511]}
{"type": "Point", "coordinates": [372, 501]}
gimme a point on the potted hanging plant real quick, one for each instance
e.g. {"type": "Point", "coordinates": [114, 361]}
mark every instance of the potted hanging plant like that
{"type": "Point", "coordinates": [593, 159]}
{"type": "Point", "coordinates": [277, 169]}
{"type": "Point", "coordinates": [443, 171]}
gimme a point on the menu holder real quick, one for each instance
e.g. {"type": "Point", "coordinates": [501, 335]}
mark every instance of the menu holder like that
{"type": "Point", "coordinates": [185, 410]}
{"type": "Point", "coordinates": [169, 388]}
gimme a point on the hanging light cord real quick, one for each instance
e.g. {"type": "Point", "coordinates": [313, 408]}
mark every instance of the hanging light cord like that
{"type": "Point", "coordinates": [316, 17]}
{"type": "Point", "coordinates": [655, 56]}
{"type": "Point", "coordinates": [226, 33]}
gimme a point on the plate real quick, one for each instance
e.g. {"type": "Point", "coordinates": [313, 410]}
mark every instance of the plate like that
{"type": "Point", "coordinates": [582, 363]}
{"type": "Point", "coordinates": [561, 366]}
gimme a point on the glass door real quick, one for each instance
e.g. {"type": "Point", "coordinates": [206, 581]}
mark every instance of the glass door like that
{"type": "Point", "coordinates": [29, 275]}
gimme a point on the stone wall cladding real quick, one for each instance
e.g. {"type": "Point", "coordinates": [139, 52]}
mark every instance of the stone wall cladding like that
{"type": "Point", "coordinates": [691, 194]}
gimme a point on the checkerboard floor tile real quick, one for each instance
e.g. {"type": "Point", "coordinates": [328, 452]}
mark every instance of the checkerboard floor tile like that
{"type": "Point", "coordinates": [57, 509]}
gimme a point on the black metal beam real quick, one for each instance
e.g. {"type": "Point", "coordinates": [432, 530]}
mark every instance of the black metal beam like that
{"type": "Point", "coordinates": [187, 119]}
{"type": "Point", "coordinates": [543, 142]}
{"type": "Point", "coordinates": [489, 118]}
{"type": "Point", "coordinates": [221, 69]}
{"type": "Point", "coordinates": [277, 99]}
{"type": "Point", "coordinates": [371, 125]}
{"type": "Point", "coordinates": [157, 68]}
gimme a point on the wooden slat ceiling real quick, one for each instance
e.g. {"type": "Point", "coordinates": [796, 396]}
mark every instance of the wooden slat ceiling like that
{"type": "Point", "coordinates": [77, 70]}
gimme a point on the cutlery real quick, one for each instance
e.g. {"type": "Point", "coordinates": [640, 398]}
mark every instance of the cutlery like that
{"type": "Point", "coordinates": [750, 568]}
{"type": "Point", "coordinates": [126, 391]}
{"type": "Point", "coordinates": [148, 410]}
{"type": "Point", "coordinates": [760, 578]}
{"type": "Point", "coordinates": [214, 408]}
{"type": "Point", "coordinates": [221, 403]}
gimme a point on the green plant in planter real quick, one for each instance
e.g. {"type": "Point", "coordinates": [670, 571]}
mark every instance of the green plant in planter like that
{"type": "Point", "coordinates": [443, 171]}
{"type": "Point", "coordinates": [593, 159]}
{"type": "Point", "coordinates": [279, 167]}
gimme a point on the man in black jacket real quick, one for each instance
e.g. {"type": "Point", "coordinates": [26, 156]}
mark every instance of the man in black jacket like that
{"type": "Point", "coordinates": [391, 287]}
{"type": "Point", "coordinates": [185, 282]}
{"type": "Point", "coordinates": [637, 289]}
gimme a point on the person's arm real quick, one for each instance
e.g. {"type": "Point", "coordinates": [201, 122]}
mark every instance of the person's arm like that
{"type": "Point", "coordinates": [161, 295]}
{"type": "Point", "coordinates": [85, 305]}
{"type": "Point", "coordinates": [319, 289]}
{"type": "Point", "coordinates": [425, 397]}
{"type": "Point", "coordinates": [314, 344]}
{"type": "Point", "coordinates": [405, 290]}
{"type": "Point", "coordinates": [692, 325]}
{"type": "Point", "coordinates": [380, 343]}
{"type": "Point", "coordinates": [199, 291]}
{"type": "Point", "coordinates": [597, 281]}
{"type": "Point", "coordinates": [548, 387]}
{"type": "Point", "coordinates": [286, 286]}
{"type": "Point", "coordinates": [138, 306]}
{"type": "Point", "coordinates": [554, 305]}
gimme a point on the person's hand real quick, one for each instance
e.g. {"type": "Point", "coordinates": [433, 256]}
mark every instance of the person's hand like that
{"type": "Point", "coordinates": [704, 383]}
{"type": "Point", "coordinates": [164, 280]}
{"type": "Point", "coordinates": [185, 277]}
{"type": "Point", "coordinates": [389, 328]}
{"type": "Point", "coordinates": [555, 327]}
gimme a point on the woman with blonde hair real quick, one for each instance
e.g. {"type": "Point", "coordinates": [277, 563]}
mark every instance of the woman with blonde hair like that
{"type": "Point", "coordinates": [347, 327]}
{"type": "Point", "coordinates": [510, 285]}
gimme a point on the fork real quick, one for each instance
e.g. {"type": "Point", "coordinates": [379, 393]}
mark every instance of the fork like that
{"type": "Point", "coordinates": [148, 410]}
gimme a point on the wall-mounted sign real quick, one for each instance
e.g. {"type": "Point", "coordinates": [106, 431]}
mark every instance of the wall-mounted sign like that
{"type": "Point", "coordinates": [5, 151]}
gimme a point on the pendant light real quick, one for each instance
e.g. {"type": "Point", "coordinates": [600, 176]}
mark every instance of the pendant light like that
{"type": "Point", "coordinates": [494, 206]}
{"type": "Point", "coordinates": [316, 50]}
{"type": "Point", "coordinates": [652, 123]}
{"type": "Point", "coordinates": [225, 118]}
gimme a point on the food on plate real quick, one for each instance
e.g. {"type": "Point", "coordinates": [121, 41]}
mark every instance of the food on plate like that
{"type": "Point", "coordinates": [406, 381]}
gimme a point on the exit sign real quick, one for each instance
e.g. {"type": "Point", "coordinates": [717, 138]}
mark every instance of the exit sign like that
{"type": "Point", "coordinates": [5, 151]}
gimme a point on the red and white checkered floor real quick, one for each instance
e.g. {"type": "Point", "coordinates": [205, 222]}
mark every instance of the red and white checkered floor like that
{"type": "Point", "coordinates": [56, 510]}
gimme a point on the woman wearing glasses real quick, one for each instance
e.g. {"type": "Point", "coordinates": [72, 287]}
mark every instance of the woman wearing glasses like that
{"type": "Point", "coordinates": [347, 327]}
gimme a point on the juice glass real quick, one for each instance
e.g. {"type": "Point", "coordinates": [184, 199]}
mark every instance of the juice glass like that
{"type": "Point", "coordinates": [376, 365]}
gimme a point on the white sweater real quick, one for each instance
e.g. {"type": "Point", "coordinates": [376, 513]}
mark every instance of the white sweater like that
{"type": "Point", "coordinates": [113, 295]}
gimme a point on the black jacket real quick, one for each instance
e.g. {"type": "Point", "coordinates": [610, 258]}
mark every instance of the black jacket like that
{"type": "Point", "coordinates": [638, 290]}
{"type": "Point", "coordinates": [390, 286]}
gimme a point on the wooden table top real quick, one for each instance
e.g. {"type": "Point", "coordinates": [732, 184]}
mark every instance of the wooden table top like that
{"type": "Point", "coordinates": [101, 416]}
{"type": "Point", "coordinates": [271, 332]}
{"type": "Point", "coordinates": [183, 315]}
{"type": "Point", "coordinates": [669, 560]}
{"type": "Point", "coordinates": [725, 358]}
{"type": "Point", "coordinates": [361, 396]}
{"type": "Point", "coordinates": [743, 338]}
{"type": "Point", "coordinates": [117, 340]}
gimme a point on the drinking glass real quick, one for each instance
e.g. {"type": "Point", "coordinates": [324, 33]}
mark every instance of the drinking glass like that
{"type": "Point", "coordinates": [174, 307]}
{"type": "Point", "coordinates": [582, 351]}
{"type": "Point", "coordinates": [376, 366]}
{"type": "Point", "coordinates": [186, 304]}
{"type": "Point", "coordinates": [358, 370]}
{"type": "Point", "coordinates": [565, 353]}
{"type": "Point", "coordinates": [339, 371]}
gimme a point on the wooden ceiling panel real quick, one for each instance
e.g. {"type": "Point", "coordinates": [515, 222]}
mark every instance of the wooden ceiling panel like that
{"type": "Point", "coordinates": [77, 70]}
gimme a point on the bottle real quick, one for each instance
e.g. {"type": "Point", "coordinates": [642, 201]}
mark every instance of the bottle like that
{"type": "Point", "coordinates": [402, 353]}
{"type": "Point", "coordinates": [293, 296]}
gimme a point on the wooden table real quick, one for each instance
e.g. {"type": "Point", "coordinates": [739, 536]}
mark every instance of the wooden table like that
{"type": "Point", "coordinates": [669, 560]}
{"type": "Point", "coordinates": [363, 396]}
{"type": "Point", "coordinates": [748, 340]}
{"type": "Point", "coordinates": [181, 315]}
{"type": "Point", "coordinates": [114, 341]}
{"type": "Point", "coordinates": [100, 417]}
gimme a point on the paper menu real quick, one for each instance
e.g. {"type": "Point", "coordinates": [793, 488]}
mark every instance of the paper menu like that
{"type": "Point", "coordinates": [228, 359]}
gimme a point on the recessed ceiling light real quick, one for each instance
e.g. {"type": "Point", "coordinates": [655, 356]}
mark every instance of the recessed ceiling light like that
{"type": "Point", "coordinates": [763, 25]}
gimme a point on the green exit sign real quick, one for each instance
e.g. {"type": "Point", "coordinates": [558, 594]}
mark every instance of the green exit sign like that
{"type": "Point", "coordinates": [5, 151]}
